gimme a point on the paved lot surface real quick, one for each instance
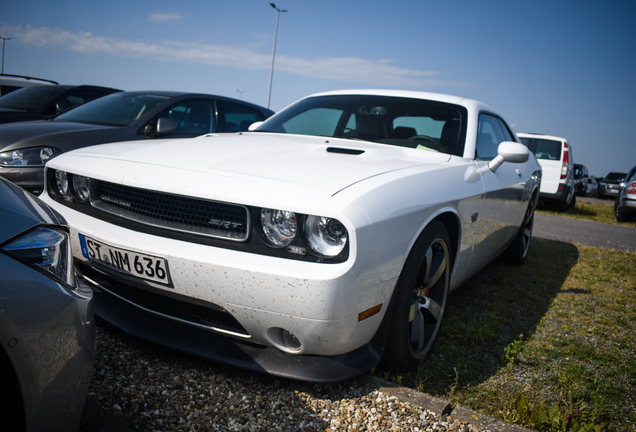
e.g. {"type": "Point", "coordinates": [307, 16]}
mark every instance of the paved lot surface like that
{"type": "Point", "coordinates": [596, 234]}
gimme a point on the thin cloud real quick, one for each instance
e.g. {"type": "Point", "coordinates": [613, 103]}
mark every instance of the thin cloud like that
{"type": "Point", "coordinates": [349, 69]}
{"type": "Point", "coordinates": [165, 17]}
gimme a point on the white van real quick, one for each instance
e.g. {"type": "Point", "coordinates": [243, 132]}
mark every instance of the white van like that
{"type": "Point", "coordinates": [555, 157]}
{"type": "Point", "coordinates": [8, 83]}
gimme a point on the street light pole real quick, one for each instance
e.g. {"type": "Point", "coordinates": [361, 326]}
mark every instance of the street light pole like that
{"type": "Point", "coordinates": [271, 74]}
{"type": "Point", "coordinates": [3, 39]}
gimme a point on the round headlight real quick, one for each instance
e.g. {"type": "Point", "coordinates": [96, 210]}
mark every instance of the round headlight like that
{"type": "Point", "coordinates": [61, 182]}
{"type": "Point", "coordinates": [80, 185]}
{"type": "Point", "coordinates": [326, 236]}
{"type": "Point", "coordinates": [279, 226]}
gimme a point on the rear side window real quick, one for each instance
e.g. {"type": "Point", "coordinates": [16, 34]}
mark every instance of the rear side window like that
{"type": "Point", "coordinates": [195, 117]}
{"type": "Point", "coordinates": [543, 148]}
{"type": "Point", "coordinates": [236, 117]}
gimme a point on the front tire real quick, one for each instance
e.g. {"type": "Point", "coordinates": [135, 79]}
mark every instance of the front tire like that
{"type": "Point", "coordinates": [422, 291]}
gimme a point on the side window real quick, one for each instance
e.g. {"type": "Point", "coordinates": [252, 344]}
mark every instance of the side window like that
{"type": "Point", "coordinates": [506, 132]}
{"type": "Point", "coordinates": [193, 117]}
{"type": "Point", "coordinates": [235, 117]}
{"type": "Point", "coordinates": [489, 135]}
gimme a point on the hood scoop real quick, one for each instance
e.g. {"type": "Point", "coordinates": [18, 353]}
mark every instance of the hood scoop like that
{"type": "Point", "coordinates": [344, 151]}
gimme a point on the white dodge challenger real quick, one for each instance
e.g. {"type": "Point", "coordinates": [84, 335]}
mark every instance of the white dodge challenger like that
{"type": "Point", "coordinates": [321, 242]}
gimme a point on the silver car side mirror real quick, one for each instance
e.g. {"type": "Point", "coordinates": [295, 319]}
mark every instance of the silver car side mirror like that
{"type": "Point", "coordinates": [254, 125]}
{"type": "Point", "coordinates": [509, 151]}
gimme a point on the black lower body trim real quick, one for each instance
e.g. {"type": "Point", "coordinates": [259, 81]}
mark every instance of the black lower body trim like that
{"type": "Point", "coordinates": [234, 352]}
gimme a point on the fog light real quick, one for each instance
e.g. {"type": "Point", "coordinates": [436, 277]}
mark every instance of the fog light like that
{"type": "Point", "coordinates": [284, 340]}
{"type": "Point", "coordinates": [291, 341]}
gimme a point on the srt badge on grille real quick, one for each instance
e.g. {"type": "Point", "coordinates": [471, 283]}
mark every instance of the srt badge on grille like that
{"type": "Point", "coordinates": [225, 224]}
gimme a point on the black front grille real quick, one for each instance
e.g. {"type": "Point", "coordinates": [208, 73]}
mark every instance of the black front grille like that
{"type": "Point", "coordinates": [174, 212]}
{"type": "Point", "coordinates": [168, 304]}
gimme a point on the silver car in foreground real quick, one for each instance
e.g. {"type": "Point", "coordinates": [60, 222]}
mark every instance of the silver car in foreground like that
{"type": "Point", "coordinates": [625, 204]}
{"type": "Point", "coordinates": [46, 319]}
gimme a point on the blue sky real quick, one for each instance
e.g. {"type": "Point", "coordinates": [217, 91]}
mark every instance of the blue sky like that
{"type": "Point", "coordinates": [564, 68]}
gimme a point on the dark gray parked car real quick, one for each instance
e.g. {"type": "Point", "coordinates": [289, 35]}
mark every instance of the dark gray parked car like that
{"type": "Point", "coordinates": [46, 101]}
{"type": "Point", "coordinates": [609, 185]}
{"type": "Point", "coordinates": [26, 146]}
{"type": "Point", "coordinates": [46, 319]}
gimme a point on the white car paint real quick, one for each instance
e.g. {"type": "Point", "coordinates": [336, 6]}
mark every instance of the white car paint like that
{"type": "Point", "coordinates": [385, 197]}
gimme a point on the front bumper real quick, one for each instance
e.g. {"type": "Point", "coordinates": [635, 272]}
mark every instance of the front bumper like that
{"type": "Point", "coordinates": [236, 352]}
{"type": "Point", "coordinates": [29, 179]}
{"type": "Point", "coordinates": [604, 190]}
{"type": "Point", "coordinates": [250, 302]}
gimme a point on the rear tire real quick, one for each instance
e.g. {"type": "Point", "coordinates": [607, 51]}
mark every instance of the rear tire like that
{"type": "Point", "coordinates": [518, 250]}
{"type": "Point", "coordinates": [566, 203]}
{"type": "Point", "coordinates": [620, 216]}
{"type": "Point", "coordinates": [572, 203]}
{"type": "Point", "coordinates": [422, 291]}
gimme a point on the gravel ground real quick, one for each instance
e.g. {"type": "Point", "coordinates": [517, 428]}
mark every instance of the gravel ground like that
{"type": "Point", "coordinates": [139, 386]}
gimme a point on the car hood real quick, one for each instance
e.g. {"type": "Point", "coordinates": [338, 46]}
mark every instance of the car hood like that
{"type": "Point", "coordinates": [256, 163]}
{"type": "Point", "coordinates": [10, 110]}
{"type": "Point", "coordinates": [49, 133]}
{"type": "Point", "coordinates": [20, 211]}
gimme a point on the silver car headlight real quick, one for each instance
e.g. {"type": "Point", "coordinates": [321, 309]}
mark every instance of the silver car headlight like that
{"type": "Point", "coordinates": [34, 157]}
{"type": "Point", "coordinates": [46, 250]}
{"type": "Point", "coordinates": [279, 226]}
{"type": "Point", "coordinates": [61, 182]}
{"type": "Point", "coordinates": [326, 236]}
{"type": "Point", "coordinates": [81, 188]}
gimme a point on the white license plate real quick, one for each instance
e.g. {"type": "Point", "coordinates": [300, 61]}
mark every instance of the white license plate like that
{"type": "Point", "coordinates": [140, 265]}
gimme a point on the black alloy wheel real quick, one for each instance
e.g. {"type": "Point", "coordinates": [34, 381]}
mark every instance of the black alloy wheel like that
{"type": "Point", "coordinates": [422, 292]}
{"type": "Point", "coordinates": [518, 250]}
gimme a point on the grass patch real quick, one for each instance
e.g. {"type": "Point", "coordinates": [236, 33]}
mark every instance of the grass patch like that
{"type": "Point", "coordinates": [555, 336]}
{"type": "Point", "coordinates": [585, 210]}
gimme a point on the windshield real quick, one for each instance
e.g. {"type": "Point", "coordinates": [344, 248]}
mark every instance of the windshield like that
{"type": "Point", "coordinates": [615, 176]}
{"type": "Point", "coordinates": [118, 109]}
{"type": "Point", "coordinates": [30, 98]}
{"type": "Point", "coordinates": [405, 122]}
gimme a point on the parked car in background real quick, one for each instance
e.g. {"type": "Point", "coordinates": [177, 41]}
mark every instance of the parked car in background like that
{"type": "Point", "coordinates": [555, 156]}
{"type": "Point", "coordinates": [625, 204]}
{"type": "Point", "coordinates": [26, 146]}
{"type": "Point", "coordinates": [46, 319]}
{"type": "Point", "coordinates": [9, 83]}
{"type": "Point", "coordinates": [44, 102]}
{"type": "Point", "coordinates": [591, 186]}
{"type": "Point", "coordinates": [609, 185]}
{"type": "Point", "coordinates": [581, 176]}
{"type": "Point", "coordinates": [329, 236]}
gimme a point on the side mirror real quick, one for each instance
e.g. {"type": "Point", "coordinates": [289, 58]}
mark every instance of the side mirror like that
{"type": "Point", "coordinates": [509, 151]}
{"type": "Point", "coordinates": [254, 125]}
{"type": "Point", "coordinates": [166, 125]}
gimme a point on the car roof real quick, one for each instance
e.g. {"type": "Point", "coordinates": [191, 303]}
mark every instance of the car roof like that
{"type": "Point", "coordinates": [84, 86]}
{"type": "Point", "coordinates": [458, 100]}
{"type": "Point", "coordinates": [538, 135]}
{"type": "Point", "coordinates": [194, 95]}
